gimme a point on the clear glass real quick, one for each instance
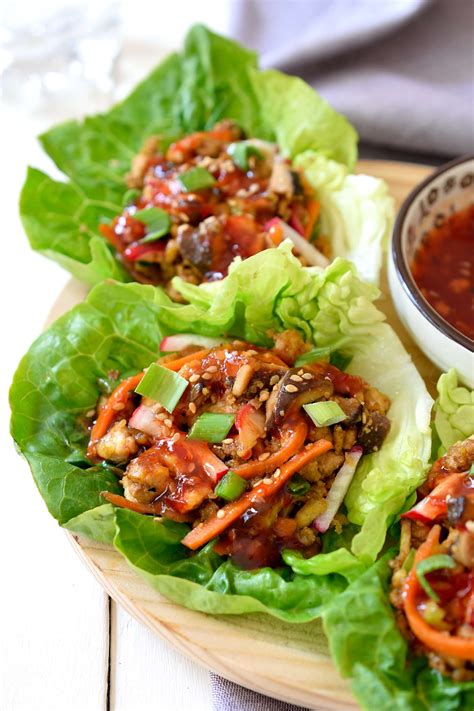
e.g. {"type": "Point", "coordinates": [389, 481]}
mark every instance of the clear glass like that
{"type": "Point", "coordinates": [58, 54]}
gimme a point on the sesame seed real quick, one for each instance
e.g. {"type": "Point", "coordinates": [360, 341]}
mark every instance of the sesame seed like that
{"type": "Point", "coordinates": [206, 376]}
{"type": "Point", "coordinates": [258, 384]}
{"type": "Point", "coordinates": [301, 371]}
{"type": "Point", "coordinates": [227, 440]}
{"type": "Point", "coordinates": [296, 378]}
{"type": "Point", "coordinates": [281, 413]}
{"type": "Point", "coordinates": [194, 378]}
{"type": "Point", "coordinates": [264, 395]}
{"type": "Point", "coordinates": [263, 456]}
{"type": "Point", "coordinates": [205, 391]}
{"type": "Point", "coordinates": [220, 514]}
{"type": "Point", "coordinates": [161, 416]}
{"type": "Point", "coordinates": [212, 369]}
{"type": "Point", "coordinates": [277, 473]}
{"type": "Point", "coordinates": [192, 407]}
{"type": "Point", "coordinates": [90, 413]}
{"type": "Point", "coordinates": [168, 422]}
{"type": "Point", "coordinates": [251, 353]}
{"type": "Point", "coordinates": [256, 482]}
{"type": "Point", "coordinates": [274, 379]}
{"type": "Point", "coordinates": [267, 480]}
{"type": "Point", "coordinates": [118, 406]}
{"type": "Point", "coordinates": [176, 436]}
{"type": "Point", "coordinates": [307, 376]}
{"type": "Point", "coordinates": [291, 388]}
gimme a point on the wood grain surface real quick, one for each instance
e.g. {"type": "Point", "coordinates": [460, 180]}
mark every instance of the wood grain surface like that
{"type": "Point", "coordinates": [289, 662]}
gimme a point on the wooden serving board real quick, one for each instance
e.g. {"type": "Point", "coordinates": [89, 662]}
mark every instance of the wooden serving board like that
{"type": "Point", "coordinates": [289, 662]}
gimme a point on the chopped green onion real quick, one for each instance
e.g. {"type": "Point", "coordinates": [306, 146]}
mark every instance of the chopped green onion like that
{"type": "Point", "coordinates": [312, 356]}
{"type": "Point", "coordinates": [157, 220]}
{"type": "Point", "coordinates": [325, 413]}
{"type": "Point", "coordinates": [340, 360]}
{"type": "Point", "coordinates": [433, 614]}
{"type": "Point", "coordinates": [162, 385]}
{"type": "Point", "coordinates": [471, 470]}
{"type": "Point", "coordinates": [230, 487]}
{"type": "Point", "coordinates": [130, 197]}
{"type": "Point", "coordinates": [428, 565]}
{"type": "Point", "coordinates": [196, 179]}
{"type": "Point", "coordinates": [240, 153]}
{"type": "Point", "coordinates": [211, 427]}
{"type": "Point", "coordinates": [298, 486]}
{"type": "Point", "coordinates": [408, 562]}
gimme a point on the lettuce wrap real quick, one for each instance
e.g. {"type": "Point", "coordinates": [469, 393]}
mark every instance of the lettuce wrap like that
{"type": "Point", "coordinates": [365, 640]}
{"type": "Point", "coordinates": [119, 328]}
{"type": "Point", "coordinates": [210, 79]}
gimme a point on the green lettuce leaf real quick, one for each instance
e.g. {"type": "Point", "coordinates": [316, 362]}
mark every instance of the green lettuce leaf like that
{"type": "Point", "coordinates": [119, 328]}
{"type": "Point", "coordinates": [356, 211]}
{"type": "Point", "coordinates": [454, 411]}
{"type": "Point", "coordinates": [210, 79]}
{"type": "Point", "coordinates": [368, 647]}
{"type": "Point", "coordinates": [207, 583]}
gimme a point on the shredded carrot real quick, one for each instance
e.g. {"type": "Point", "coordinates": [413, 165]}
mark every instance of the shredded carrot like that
{"type": "Point", "coordinates": [124, 503]}
{"type": "Point", "coordinates": [179, 362]}
{"type": "Point", "coordinates": [313, 212]}
{"type": "Point", "coordinates": [441, 642]}
{"type": "Point", "coordinates": [109, 411]}
{"type": "Point", "coordinates": [229, 513]}
{"type": "Point", "coordinates": [297, 431]}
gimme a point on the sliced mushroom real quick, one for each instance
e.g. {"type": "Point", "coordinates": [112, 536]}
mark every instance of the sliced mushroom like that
{"type": "Point", "coordinates": [297, 387]}
{"type": "Point", "coordinates": [373, 432]}
{"type": "Point", "coordinates": [351, 407]}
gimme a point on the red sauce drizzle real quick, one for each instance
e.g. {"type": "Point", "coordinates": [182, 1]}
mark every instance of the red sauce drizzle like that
{"type": "Point", "coordinates": [442, 269]}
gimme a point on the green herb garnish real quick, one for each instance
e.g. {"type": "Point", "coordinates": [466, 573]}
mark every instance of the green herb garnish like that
{"type": "Point", "coordinates": [240, 153]}
{"type": "Point", "coordinates": [196, 179]}
{"type": "Point", "coordinates": [325, 413]}
{"type": "Point", "coordinates": [157, 220]}
{"type": "Point", "coordinates": [312, 356]}
{"type": "Point", "coordinates": [162, 385]}
{"type": "Point", "coordinates": [211, 427]}
{"type": "Point", "coordinates": [298, 486]}
{"type": "Point", "coordinates": [428, 565]}
{"type": "Point", "coordinates": [230, 487]}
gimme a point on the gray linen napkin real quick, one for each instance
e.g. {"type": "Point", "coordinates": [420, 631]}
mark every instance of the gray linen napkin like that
{"type": "Point", "coordinates": [227, 696]}
{"type": "Point", "coordinates": [401, 70]}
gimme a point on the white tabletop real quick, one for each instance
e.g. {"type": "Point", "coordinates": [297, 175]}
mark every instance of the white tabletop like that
{"type": "Point", "coordinates": [65, 646]}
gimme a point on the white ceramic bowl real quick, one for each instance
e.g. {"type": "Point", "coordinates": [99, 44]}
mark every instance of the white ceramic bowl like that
{"type": "Point", "coordinates": [447, 190]}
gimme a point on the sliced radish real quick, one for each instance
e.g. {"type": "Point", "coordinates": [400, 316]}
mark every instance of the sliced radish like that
{"type": "Point", "coordinates": [180, 341]}
{"type": "Point", "coordinates": [435, 504]}
{"type": "Point", "coordinates": [312, 255]}
{"type": "Point", "coordinates": [136, 252]}
{"type": "Point", "coordinates": [338, 489]}
{"type": "Point", "coordinates": [145, 420]}
{"type": "Point", "coordinates": [199, 453]}
{"type": "Point", "coordinates": [250, 424]}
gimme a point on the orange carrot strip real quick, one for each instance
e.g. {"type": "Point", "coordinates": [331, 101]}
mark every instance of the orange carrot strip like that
{"type": "Point", "coordinates": [313, 212]}
{"type": "Point", "coordinates": [229, 513]}
{"type": "Point", "coordinates": [109, 411]}
{"type": "Point", "coordinates": [298, 430]}
{"type": "Point", "coordinates": [124, 503]}
{"type": "Point", "coordinates": [441, 642]}
{"type": "Point", "coordinates": [178, 364]}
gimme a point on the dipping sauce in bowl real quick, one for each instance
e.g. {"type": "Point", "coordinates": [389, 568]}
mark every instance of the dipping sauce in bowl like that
{"type": "Point", "coordinates": [442, 269]}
